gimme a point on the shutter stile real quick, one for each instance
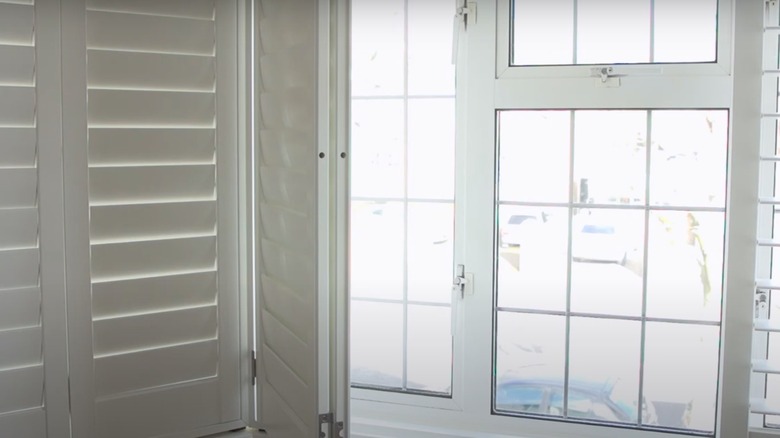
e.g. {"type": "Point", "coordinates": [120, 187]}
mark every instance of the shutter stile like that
{"type": "Point", "coordinates": [22, 411]}
{"type": "Point", "coordinates": [152, 120]}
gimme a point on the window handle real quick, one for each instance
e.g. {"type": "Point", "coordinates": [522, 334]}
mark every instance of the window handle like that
{"type": "Point", "coordinates": [463, 282]}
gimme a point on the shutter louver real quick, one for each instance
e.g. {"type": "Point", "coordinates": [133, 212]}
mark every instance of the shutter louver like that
{"type": "Point", "coordinates": [22, 412]}
{"type": "Point", "coordinates": [152, 119]}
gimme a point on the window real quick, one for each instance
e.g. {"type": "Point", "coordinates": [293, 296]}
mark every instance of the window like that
{"type": "Point", "coordinates": [402, 196]}
{"type": "Point", "coordinates": [642, 264]}
{"type": "Point", "coordinates": [596, 214]}
{"type": "Point", "coordinates": [765, 384]}
{"type": "Point", "coordinates": [566, 32]}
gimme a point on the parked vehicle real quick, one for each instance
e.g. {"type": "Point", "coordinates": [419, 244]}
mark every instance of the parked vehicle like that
{"type": "Point", "coordinates": [598, 242]}
{"type": "Point", "coordinates": [520, 229]}
{"type": "Point", "coordinates": [588, 400]}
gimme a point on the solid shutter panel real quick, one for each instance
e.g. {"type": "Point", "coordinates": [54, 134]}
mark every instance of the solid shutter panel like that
{"type": "Point", "coordinates": [163, 276]}
{"type": "Point", "coordinates": [22, 412]}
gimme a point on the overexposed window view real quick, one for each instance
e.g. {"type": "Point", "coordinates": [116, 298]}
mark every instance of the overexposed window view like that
{"type": "Point", "coordinates": [568, 32]}
{"type": "Point", "coordinates": [402, 195]}
{"type": "Point", "coordinates": [609, 265]}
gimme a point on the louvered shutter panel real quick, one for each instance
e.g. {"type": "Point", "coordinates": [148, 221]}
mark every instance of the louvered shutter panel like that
{"type": "Point", "coordinates": [162, 234]}
{"type": "Point", "coordinates": [21, 342]}
{"type": "Point", "coordinates": [291, 383]}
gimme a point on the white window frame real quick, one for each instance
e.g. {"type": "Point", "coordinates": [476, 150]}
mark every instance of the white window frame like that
{"type": "Point", "coordinates": [767, 176]}
{"type": "Point", "coordinates": [363, 395]}
{"type": "Point", "coordinates": [736, 76]}
{"type": "Point", "coordinates": [721, 66]}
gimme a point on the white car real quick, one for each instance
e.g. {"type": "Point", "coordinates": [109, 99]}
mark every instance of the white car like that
{"type": "Point", "coordinates": [520, 229]}
{"type": "Point", "coordinates": [598, 242]}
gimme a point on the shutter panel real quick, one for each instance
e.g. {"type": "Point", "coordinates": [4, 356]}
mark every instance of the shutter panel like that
{"type": "Point", "coordinates": [163, 276]}
{"type": "Point", "coordinates": [21, 332]}
{"type": "Point", "coordinates": [291, 387]}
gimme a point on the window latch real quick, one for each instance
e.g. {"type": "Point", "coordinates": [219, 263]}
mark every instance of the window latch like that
{"type": "Point", "coordinates": [762, 302]}
{"type": "Point", "coordinates": [463, 281]}
{"type": "Point", "coordinates": [606, 77]}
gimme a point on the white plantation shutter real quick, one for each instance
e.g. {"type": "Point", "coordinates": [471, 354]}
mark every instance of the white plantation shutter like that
{"type": "Point", "coordinates": [22, 412]}
{"type": "Point", "coordinates": [163, 273]}
{"type": "Point", "coordinates": [291, 214]}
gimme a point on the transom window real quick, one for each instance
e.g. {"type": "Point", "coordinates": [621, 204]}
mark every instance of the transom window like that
{"type": "Point", "coordinates": [573, 32]}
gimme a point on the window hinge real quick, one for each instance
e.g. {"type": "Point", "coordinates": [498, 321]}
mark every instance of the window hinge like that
{"type": "Point", "coordinates": [253, 367]}
{"type": "Point", "coordinates": [467, 13]}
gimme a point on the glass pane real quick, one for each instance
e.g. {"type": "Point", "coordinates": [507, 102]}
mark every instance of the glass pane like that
{"type": "Point", "coordinates": [532, 257]}
{"type": "Point", "coordinates": [681, 374]}
{"type": "Point", "coordinates": [610, 156]}
{"type": "Point", "coordinates": [376, 341]}
{"type": "Point", "coordinates": [688, 158]}
{"type": "Point", "coordinates": [604, 369]}
{"type": "Point", "coordinates": [608, 254]}
{"type": "Point", "coordinates": [774, 251]}
{"type": "Point", "coordinates": [685, 30]}
{"type": "Point", "coordinates": [530, 358]}
{"type": "Point", "coordinates": [431, 71]}
{"type": "Point", "coordinates": [685, 265]}
{"type": "Point", "coordinates": [543, 32]}
{"type": "Point", "coordinates": [534, 151]}
{"type": "Point", "coordinates": [431, 148]}
{"type": "Point", "coordinates": [430, 252]}
{"type": "Point", "coordinates": [772, 391]}
{"type": "Point", "coordinates": [773, 380]}
{"type": "Point", "coordinates": [430, 349]}
{"type": "Point", "coordinates": [377, 47]}
{"type": "Point", "coordinates": [612, 32]}
{"type": "Point", "coordinates": [377, 165]}
{"type": "Point", "coordinates": [377, 250]}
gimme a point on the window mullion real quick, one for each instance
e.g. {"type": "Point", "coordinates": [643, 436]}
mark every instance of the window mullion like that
{"type": "Point", "coordinates": [570, 227]}
{"type": "Point", "coordinates": [646, 241]}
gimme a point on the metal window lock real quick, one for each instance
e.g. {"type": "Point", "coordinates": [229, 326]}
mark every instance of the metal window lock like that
{"type": "Point", "coordinates": [463, 281]}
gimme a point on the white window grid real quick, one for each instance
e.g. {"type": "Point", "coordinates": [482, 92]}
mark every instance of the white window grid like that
{"type": "Point", "coordinates": [405, 97]}
{"type": "Point", "coordinates": [647, 208]}
{"type": "Point", "coordinates": [765, 378]}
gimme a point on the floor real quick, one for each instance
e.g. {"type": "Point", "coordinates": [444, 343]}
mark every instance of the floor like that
{"type": "Point", "coordinates": [248, 433]}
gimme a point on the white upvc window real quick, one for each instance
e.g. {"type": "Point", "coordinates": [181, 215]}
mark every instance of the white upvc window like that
{"type": "Point", "coordinates": [402, 200]}
{"type": "Point", "coordinates": [604, 184]}
{"type": "Point", "coordinates": [765, 392]}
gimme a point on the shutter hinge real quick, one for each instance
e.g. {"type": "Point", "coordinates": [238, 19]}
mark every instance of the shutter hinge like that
{"type": "Point", "coordinates": [253, 367]}
{"type": "Point", "coordinates": [326, 419]}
